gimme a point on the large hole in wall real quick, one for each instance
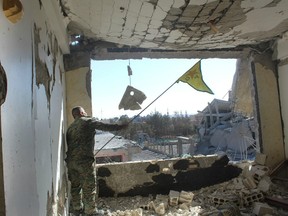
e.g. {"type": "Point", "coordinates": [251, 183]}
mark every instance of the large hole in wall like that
{"type": "Point", "coordinates": [173, 119]}
{"type": "Point", "coordinates": [13, 10]}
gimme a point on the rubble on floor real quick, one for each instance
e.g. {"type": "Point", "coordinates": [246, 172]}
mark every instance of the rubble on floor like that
{"type": "Point", "coordinates": [244, 195]}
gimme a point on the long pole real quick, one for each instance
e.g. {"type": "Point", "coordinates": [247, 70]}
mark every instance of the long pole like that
{"type": "Point", "coordinates": [137, 115]}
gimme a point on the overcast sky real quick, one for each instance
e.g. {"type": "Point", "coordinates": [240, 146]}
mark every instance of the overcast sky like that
{"type": "Point", "coordinates": [152, 77]}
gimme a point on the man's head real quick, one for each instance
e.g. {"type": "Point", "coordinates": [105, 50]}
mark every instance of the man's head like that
{"type": "Point", "coordinates": [78, 111]}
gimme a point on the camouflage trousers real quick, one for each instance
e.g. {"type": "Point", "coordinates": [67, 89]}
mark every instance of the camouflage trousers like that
{"type": "Point", "coordinates": [82, 176]}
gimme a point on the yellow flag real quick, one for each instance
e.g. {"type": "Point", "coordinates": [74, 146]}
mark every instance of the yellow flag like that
{"type": "Point", "coordinates": [194, 78]}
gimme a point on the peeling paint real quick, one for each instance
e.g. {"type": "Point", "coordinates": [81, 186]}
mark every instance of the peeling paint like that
{"type": "Point", "coordinates": [42, 73]}
{"type": "Point", "coordinates": [49, 204]}
{"type": "Point", "coordinates": [62, 195]}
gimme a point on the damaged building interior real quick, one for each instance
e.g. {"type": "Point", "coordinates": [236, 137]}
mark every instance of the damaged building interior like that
{"type": "Point", "coordinates": [47, 47]}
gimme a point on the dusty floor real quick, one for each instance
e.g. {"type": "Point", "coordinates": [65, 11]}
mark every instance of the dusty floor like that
{"type": "Point", "coordinates": [256, 191]}
{"type": "Point", "coordinates": [227, 199]}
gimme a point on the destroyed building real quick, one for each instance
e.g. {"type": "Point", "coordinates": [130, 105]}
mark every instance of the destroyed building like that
{"type": "Point", "coordinates": [47, 46]}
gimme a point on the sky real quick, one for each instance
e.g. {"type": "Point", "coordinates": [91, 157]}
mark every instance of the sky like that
{"type": "Point", "coordinates": [153, 77]}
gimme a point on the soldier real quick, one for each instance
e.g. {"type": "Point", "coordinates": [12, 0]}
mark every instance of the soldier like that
{"type": "Point", "coordinates": [80, 159]}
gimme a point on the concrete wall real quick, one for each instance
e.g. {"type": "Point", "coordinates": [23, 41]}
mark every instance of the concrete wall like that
{"type": "Point", "coordinates": [78, 82]}
{"type": "Point", "coordinates": [242, 89]}
{"type": "Point", "coordinates": [268, 111]}
{"type": "Point", "coordinates": [78, 91]}
{"type": "Point", "coordinates": [281, 53]}
{"type": "Point", "coordinates": [159, 177]}
{"type": "Point", "coordinates": [33, 113]}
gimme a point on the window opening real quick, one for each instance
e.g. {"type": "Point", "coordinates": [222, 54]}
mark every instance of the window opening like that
{"type": "Point", "coordinates": [182, 123]}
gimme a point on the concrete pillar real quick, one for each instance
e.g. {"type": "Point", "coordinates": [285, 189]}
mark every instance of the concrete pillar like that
{"type": "Point", "coordinates": [267, 105]}
{"type": "Point", "coordinates": [242, 89]}
{"type": "Point", "coordinates": [78, 83]}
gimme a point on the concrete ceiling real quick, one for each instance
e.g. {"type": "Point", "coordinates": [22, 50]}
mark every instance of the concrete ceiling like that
{"type": "Point", "coordinates": [174, 25]}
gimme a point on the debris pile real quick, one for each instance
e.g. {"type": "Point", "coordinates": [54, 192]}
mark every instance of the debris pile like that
{"type": "Point", "coordinates": [244, 195]}
{"type": "Point", "coordinates": [223, 130]}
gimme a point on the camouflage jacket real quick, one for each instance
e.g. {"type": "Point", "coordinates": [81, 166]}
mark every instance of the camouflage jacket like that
{"type": "Point", "coordinates": [80, 137]}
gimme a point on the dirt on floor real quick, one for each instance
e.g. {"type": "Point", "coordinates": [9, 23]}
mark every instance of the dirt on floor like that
{"type": "Point", "coordinates": [254, 192]}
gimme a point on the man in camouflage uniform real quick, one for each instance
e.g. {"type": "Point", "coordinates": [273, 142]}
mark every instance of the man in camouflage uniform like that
{"type": "Point", "coordinates": [80, 159]}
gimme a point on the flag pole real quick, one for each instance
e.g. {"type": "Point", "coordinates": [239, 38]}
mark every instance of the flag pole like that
{"type": "Point", "coordinates": [138, 115]}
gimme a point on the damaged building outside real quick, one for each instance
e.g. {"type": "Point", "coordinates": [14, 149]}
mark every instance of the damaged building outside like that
{"type": "Point", "coordinates": [45, 70]}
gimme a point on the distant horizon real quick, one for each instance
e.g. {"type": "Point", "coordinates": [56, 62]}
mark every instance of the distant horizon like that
{"type": "Point", "coordinates": [153, 77]}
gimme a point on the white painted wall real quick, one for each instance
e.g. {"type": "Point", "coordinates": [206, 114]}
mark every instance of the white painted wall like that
{"type": "Point", "coordinates": [32, 134]}
{"type": "Point", "coordinates": [282, 54]}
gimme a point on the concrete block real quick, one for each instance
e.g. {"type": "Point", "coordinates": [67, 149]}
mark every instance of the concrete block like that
{"type": "Point", "coordinates": [186, 197]}
{"type": "Point", "coordinates": [260, 159]}
{"type": "Point", "coordinates": [184, 206]}
{"type": "Point", "coordinates": [247, 171]}
{"type": "Point", "coordinates": [150, 206]}
{"type": "Point", "coordinates": [252, 198]}
{"type": "Point", "coordinates": [261, 209]}
{"type": "Point", "coordinates": [238, 183]}
{"type": "Point", "coordinates": [136, 212]}
{"type": "Point", "coordinates": [258, 175]}
{"type": "Point", "coordinates": [264, 184]}
{"type": "Point", "coordinates": [160, 209]}
{"type": "Point", "coordinates": [219, 201]}
{"type": "Point", "coordinates": [173, 197]}
{"type": "Point", "coordinates": [249, 183]}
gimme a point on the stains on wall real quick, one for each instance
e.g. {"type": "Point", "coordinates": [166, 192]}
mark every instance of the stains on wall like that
{"type": "Point", "coordinates": [88, 82]}
{"type": "Point", "coordinates": [105, 190]}
{"type": "Point", "coordinates": [3, 85]}
{"type": "Point", "coordinates": [3, 93]}
{"type": "Point", "coordinates": [150, 179]}
{"type": "Point", "coordinates": [152, 168]}
{"type": "Point", "coordinates": [76, 60]}
{"type": "Point", "coordinates": [103, 172]}
{"type": "Point", "coordinates": [40, 4]}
